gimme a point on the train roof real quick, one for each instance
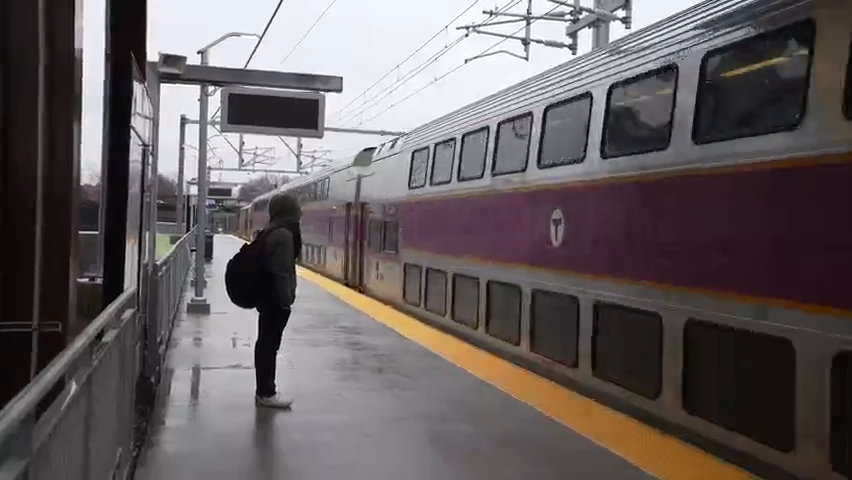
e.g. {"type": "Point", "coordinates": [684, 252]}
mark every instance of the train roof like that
{"type": "Point", "coordinates": [306, 179]}
{"type": "Point", "coordinates": [707, 22]}
{"type": "Point", "coordinates": [659, 42]}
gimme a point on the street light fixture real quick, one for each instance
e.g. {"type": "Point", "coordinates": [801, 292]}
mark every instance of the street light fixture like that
{"type": "Point", "coordinates": [198, 304]}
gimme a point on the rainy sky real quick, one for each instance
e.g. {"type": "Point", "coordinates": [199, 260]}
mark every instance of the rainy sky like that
{"type": "Point", "coordinates": [360, 40]}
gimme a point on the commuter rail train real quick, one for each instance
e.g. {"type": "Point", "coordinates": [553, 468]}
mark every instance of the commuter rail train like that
{"type": "Point", "coordinates": [664, 224]}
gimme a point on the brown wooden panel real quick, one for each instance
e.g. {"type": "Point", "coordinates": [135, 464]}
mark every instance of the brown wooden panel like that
{"type": "Point", "coordinates": [23, 150]}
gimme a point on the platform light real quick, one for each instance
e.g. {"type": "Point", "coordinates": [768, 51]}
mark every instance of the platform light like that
{"type": "Point", "coordinates": [171, 63]}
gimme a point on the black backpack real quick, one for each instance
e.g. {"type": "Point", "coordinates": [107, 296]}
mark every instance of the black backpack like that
{"type": "Point", "coordinates": [245, 276]}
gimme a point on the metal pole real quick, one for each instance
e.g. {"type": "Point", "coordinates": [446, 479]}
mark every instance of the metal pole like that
{"type": "Point", "coordinates": [299, 154]}
{"type": "Point", "coordinates": [154, 157]}
{"type": "Point", "coordinates": [180, 209]}
{"type": "Point", "coordinates": [240, 152]}
{"type": "Point", "coordinates": [528, 31]}
{"type": "Point", "coordinates": [198, 304]}
{"type": "Point", "coordinates": [600, 34]}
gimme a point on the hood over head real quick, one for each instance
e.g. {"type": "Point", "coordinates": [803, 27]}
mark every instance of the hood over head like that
{"type": "Point", "coordinates": [284, 208]}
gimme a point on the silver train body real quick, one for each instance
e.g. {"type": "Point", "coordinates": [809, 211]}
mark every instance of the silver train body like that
{"type": "Point", "coordinates": [743, 344]}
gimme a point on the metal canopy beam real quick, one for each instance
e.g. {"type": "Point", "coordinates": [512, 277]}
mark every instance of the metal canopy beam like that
{"type": "Point", "coordinates": [252, 170]}
{"type": "Point", "coordinates": [223, 76]}
{"type": "Point", "coordinates": [384, 133]}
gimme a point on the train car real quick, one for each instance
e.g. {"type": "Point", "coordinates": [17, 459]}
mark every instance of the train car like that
{"type": "Point", "coordinates": [661, 224]}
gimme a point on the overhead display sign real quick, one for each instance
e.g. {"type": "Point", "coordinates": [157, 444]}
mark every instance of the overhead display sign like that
{"type": "Point", "coordinates": [273, 112]}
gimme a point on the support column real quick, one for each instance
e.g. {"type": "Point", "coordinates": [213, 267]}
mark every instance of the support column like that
{"type": "Point", "coordinates": [198, 303]}
{"type": "Point", "coordinates": [22, 150]}
{"type": "Point", "coordinates": [180, 210]}
{"type": "Point", "coordinates": [125, 45]}
{"type": "Point", "coordinates": [61, 177]}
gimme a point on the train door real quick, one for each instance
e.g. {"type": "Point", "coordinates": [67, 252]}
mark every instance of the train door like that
{"type": "Point", "coordinates": [363, 218]}
{"type": "Point", "coordinates": [348, 245]}
{"type": "Point", "coordinates": [354, 251]}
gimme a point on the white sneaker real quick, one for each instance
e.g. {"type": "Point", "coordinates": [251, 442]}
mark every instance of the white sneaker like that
{"type": "Point", "coordinates": [275, 401]}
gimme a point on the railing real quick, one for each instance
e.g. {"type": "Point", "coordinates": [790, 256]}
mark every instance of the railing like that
{"type": "Point", "coordinates": [76, 419]}
{"type": "Point", "coordinates": [170, 274]}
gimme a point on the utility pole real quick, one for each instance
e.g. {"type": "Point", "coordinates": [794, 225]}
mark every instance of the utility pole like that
{"type": "Point", "coordinates": [240, 152]}
{"type": "Point", "coordinates": [299, 154]}
{"type": "Point", "coordinates": [597, 18]}
{"type": "Point", "coordinates": [198, 303]}
{"type": "Point", "coordinates": [181, 207]}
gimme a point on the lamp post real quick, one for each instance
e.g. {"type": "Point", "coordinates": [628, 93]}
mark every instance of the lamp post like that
{"type": "Point", "coordinates": [198, 304]}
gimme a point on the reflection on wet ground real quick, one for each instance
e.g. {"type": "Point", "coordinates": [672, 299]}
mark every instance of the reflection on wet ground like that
{"type": "Point", "coordinates": [369, 405]}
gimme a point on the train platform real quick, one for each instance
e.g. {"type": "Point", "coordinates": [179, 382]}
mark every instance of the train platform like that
{"type": "Point", "coordinates": [379, 395]}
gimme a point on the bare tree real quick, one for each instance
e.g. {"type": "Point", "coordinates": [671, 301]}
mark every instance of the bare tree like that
{"type": "Point", "coordinates": [259, 185]}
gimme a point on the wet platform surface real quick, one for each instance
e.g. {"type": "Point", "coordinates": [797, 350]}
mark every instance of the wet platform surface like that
{"type": "Point", "coordinates": [369, 404]}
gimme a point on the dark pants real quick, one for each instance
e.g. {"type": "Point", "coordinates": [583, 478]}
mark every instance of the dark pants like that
{"type": "Point", "coordinates": [271, 323]}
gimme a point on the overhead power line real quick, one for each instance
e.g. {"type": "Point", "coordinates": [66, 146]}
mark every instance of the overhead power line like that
{"type": "Point", "coordinates": [319, 19]}
{"type": "Point", "coordinates": [443, 76]}
{"type": "Point", "coordinates": [256, 45]}
{"type": "Point", "coordinates": [263, 35]}
{"type": "Point", "coordinates": [408, 76]}
{"type": "Point", "coordinates": [412, 54]}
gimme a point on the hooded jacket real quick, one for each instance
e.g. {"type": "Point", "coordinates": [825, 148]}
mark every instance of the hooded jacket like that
{"type": "Point", "coordinates": [282, 249]}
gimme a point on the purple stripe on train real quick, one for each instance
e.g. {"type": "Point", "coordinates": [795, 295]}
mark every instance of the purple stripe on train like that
{"type": "Point", "coordinates": [783, 233]}
{"type": "Point", "coordinates": [315, 226]}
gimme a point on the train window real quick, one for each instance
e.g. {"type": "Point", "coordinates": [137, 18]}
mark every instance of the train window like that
{"type": "Point", "coordinates": [742, 380]}
{"type": "Point", "coordinates": [442, 162]}
{"type": "Point", "coordinates": [512, 145]}
{"type": "Point", "coordinates": [756, 86]}
{"type": "Point", "coordinates": [627, 348]}
{"type": "Point", "coordinates": [565, 132]}
{"type": "Point", "coordinates": [330, 232]}
{"type": "Point", "coordinates": [639, 113]}
{"type": "Point", "coordinates": [555, 326]}
{"type": "Point", "coordinates": [436, 291]}
{"type": "Point", "coordinates": [374, 236]}
{"type": "Point", "coordinates": [474, 146]}
{"type": "Point", "coordinates": [503, 311]}
{"type": "Point", "coordinates": [419, 164]}
{"type": "Point", "coordinates": [847, 98]}
{"type": "Point", "coordinates": [412, 276]}
{"type": "Point", "coordinates": [841, 414]}
{"type": "Point", "coordinates": [466, 300]}
{"type": "Point", "coordinates": [391, 236]}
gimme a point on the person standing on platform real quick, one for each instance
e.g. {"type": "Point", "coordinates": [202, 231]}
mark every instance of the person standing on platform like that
{"type": "Point", "coordinates": [282, 248]}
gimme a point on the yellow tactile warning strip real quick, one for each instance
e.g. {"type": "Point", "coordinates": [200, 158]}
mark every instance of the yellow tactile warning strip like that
{"type": "Point", "coordinates": [660, 455]}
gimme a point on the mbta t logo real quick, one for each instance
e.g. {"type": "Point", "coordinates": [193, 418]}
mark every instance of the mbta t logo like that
{"type": "Point", "coordinates": [557, 228]}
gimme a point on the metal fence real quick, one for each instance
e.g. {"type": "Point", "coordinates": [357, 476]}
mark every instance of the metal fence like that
{"type": "Point", "coordinates": [76, 419]}
{"type": "Point", "coordinates": [165, 299]}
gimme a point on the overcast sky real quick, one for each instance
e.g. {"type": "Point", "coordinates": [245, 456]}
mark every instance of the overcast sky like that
{"type": "Point", "coordinates": [360, 40]}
